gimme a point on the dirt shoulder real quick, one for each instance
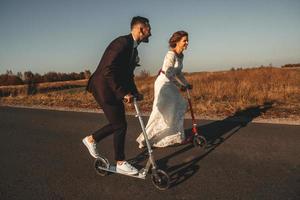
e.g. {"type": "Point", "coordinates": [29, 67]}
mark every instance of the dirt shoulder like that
{"type": "Point", "coordinates": [293, 120]}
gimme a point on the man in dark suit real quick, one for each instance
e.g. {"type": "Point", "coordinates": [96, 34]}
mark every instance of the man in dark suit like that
{"type": "Point", "coordinates": [112, 83]}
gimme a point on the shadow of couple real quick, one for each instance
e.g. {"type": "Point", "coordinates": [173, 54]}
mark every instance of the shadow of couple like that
{"type": "Point", "coordinates": [216, 133]}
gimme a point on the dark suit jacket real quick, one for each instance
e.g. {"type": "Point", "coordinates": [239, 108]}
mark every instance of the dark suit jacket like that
{"type": "Point", "coordinates": [114, 76]}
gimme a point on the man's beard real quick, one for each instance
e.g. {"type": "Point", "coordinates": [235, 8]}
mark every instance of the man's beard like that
{"type": "Point", "coordinates": [145, 40]}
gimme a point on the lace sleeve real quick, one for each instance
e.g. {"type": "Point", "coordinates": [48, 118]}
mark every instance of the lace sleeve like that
{"type": "Point", "coordinates": [182, 79]}
{"type": "Point", "coordinates": [169, 69]}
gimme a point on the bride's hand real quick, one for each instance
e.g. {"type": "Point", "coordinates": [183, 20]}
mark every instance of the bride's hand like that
{"type": "Point", "coordinates": [183, 88]}
{"type": "Point", "coordinates": [189, 86]}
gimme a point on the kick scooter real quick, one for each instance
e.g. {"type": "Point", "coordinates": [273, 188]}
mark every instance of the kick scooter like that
{"type": "Point", "coordinates": [160, 178]}
{"type": "Point", "coordinates": [198, 140]}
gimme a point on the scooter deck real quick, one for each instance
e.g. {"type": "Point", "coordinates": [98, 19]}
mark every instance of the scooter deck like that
{"type": "Point", "coordinates": [112, 169]}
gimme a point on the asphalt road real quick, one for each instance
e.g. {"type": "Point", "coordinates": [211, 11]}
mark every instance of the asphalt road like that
{"type": "Point", "coordinates": [42, 157]}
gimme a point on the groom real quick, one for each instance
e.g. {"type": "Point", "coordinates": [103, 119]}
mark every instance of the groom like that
{"type": "Point", "coordinates": [113, 82]}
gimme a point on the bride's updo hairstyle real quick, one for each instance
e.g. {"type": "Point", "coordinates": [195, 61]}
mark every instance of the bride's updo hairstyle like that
{"type": "Point", "coordinates": [176, 37]}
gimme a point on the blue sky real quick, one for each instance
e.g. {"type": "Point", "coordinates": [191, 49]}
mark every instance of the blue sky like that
{"type": "Point", "coordinates": [71, 35]}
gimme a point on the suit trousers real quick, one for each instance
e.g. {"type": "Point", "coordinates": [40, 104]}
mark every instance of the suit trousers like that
{"type": "Point", "coordinates": [115, 114]}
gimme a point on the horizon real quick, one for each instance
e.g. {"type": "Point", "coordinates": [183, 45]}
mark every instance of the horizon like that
{"type": "Point", "coordinates": [153, 74]}
{"type": "Point", "coordinates": [62, 36]}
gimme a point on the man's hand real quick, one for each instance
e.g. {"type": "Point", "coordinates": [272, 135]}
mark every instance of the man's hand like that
{"type": "Point", "coordinates": [128, 98]}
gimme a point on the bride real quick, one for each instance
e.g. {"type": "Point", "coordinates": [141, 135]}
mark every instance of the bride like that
{"type": "Point", "coordinates": [165, 125]}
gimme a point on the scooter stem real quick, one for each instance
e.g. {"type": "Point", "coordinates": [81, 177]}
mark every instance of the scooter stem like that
{"type": "Point", "coordinates": [190, 104]}
{"type": "Point", "coordinates": [138, 114]}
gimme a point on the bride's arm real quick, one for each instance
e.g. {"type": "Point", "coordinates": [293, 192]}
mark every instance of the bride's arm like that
{"type": "Point", "coordinates": [182, 79]}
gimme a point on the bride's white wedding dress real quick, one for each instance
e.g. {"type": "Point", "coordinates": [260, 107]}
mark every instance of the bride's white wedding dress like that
{"type": "Point", "coordinates": [165, 125]}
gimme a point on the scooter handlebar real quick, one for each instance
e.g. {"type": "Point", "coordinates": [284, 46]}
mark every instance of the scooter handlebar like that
{"type": "Point", "coordinates": [130, 99]}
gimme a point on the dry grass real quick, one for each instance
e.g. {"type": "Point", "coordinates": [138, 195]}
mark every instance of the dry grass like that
{"type": "Point", "coordinates": [229, 92]}
{"type": "Point", "coordinates": [215, 93]}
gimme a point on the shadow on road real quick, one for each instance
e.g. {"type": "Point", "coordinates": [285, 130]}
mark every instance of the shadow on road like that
{"type": "Point", "coordinates": [215, 133]}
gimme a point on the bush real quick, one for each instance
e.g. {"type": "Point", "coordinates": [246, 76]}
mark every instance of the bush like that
{"type": "Point", "coordinates": [6, 79]}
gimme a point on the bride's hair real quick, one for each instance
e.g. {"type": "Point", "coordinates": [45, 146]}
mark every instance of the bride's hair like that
{"type": "Point", "coordinates": [176, 37]}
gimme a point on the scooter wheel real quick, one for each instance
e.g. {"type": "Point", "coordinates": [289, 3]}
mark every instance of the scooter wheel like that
{"type": "Point", "coordinates": [160, 179]}
{"type": "Point", "coordinates": [199, 141]}
{"type": "Point", "coordinates": [101, 163]}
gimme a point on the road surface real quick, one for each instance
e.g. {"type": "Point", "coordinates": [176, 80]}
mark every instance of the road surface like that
{"type": "Point", "coordinates": [42, 157]}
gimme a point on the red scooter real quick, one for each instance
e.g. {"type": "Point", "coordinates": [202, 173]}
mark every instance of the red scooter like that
{"type": "Point", "coordinates": [197, 139]}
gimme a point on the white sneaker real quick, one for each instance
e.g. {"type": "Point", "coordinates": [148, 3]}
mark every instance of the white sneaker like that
{"type": "Point", "coordinates": [91, 147]}
{"type": "Point", "coordinates": [126, 168]}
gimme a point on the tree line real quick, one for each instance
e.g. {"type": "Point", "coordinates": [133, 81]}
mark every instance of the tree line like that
{"type": "Point", "coordinates": [291, 65]}
{"type": "Point", "coordinates": [28, 77]}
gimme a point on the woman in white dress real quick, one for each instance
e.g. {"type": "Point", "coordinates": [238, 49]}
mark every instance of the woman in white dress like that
{"type": "Point", "coordinates": [165, 125]}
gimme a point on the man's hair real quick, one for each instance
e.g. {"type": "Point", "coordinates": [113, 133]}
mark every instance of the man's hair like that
{"type": "Point", "coordinates": [139, 20]}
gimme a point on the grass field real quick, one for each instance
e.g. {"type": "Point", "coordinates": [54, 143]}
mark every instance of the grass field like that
{"type": "Point", "coordinates": [273, 92]}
